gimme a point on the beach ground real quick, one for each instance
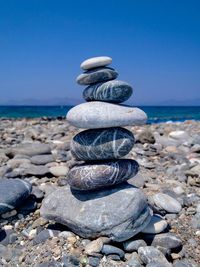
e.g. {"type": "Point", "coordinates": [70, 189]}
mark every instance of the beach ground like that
{"type": "Point", "coordinates": [169, 159]}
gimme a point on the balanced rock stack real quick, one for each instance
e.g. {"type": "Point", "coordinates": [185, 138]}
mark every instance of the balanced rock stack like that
{"type": "Point", "coordinates": [100, 202]}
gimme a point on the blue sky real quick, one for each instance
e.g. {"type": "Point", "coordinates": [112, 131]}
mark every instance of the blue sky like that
{"type": "Point", "coordinates": [155, 46]}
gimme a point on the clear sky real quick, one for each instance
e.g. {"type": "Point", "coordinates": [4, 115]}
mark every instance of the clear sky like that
{"type": "Point", "coordinates": [155, 46]}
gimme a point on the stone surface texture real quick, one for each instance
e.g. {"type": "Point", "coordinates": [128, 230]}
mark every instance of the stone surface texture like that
{"type": "Point", "coordinates": [114, 91]}
{"type": "Point", "coordinates": [97, 75]}
{"type": "Point", "coordinates": [102, 144]}
{"type": "Point", "coordinates": [119, 213]}
{"type": "Point", "coordinates": [101, 174]}
{"type": "Point", "coordinates": [98, 114]}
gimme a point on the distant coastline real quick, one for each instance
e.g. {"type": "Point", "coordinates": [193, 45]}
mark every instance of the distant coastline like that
{"type": "Point", "coordinates": [155, 114]}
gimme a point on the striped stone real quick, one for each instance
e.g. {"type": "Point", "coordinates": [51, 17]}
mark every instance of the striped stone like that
{"type": "Point", "coordinates": [97, 175]}
{"type": "Point", "coordinates": [102, 144]}
{"type": "Point", "coordinates": [96, 76]}
{"type": "Point", "coordinates": [114, 91]}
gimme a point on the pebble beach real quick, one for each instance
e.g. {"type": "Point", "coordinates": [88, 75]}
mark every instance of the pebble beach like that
{"type": "Point", "coordinates": [37, 151]}
{"type": "Point", "coordinates": [99, 187]}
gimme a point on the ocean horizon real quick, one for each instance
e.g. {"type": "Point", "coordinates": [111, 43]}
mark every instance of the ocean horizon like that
{"type": "Point", "coordinates": [155, 114]}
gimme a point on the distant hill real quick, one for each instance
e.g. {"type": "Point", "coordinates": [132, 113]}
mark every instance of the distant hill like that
{"type": "Point", "coordinates": [188, 102]}
{"type": "Point", "coordinates": [68, 101]}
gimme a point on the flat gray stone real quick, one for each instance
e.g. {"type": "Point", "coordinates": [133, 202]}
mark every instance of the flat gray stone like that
{"type": "Point", "coordinates": [42, 159]}
{"type": "Point", "coordinates": [183, 263]}
{"type": "Point", "coordinates": [104, 115]}
{"type": "Point", "coordinates": [102, 144]}
{"type": "Point", "coordinates": [95, 62]}
{"type": "Point", "coordinates": [90, 176]}
{"type": "Point", "coordinates": [13, 192]}
{"type": "Point", "coordinates": [152, 255]}
{"type": "Point", "coordinates": [167, 240]}
{"type": "Point", "coordinates": [29, 149]}
{"type": "Point", "coordinates": [36, 170]}
{"type": "Point", "coordinates": [112, 91]}
{"type": "Point", "coordinates": [119, 212]}
{"type": "Point", "coordinates": [166, 202]}
{"type": "Point", "coordinates": [96, 75]}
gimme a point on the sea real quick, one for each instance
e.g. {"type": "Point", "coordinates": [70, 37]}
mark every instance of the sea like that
{"type": "Point", "coordinates": [156, 114]}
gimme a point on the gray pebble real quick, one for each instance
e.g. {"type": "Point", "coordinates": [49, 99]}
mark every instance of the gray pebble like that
{"type": "Point", "coordinates": [109, 249]}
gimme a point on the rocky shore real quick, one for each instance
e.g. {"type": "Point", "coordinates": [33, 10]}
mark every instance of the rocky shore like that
{"type": "Point", "coordinates": [35, 158]}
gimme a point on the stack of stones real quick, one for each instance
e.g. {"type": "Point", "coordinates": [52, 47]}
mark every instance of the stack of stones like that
{"type": "Point", "coordinates": [101, 202]}
{"type": "Point", "coordinates": [105, 143]}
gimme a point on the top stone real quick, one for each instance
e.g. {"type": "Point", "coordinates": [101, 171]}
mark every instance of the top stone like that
{"type": "Point", "coordinates": [95, 62]}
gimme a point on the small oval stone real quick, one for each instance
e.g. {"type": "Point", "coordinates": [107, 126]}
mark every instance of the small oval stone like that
{"type": "Point", "coordinates": [59, 170]}
{"type": "Point", "coordinates": [95, 62]}
{"type": "Point", "coordinates": [156, 225]}
{"type": "Point", "coordinates": [99, 175]}
{"type": "Point", "coordinates": [102, 144]}
{"type": "Point", "coordinates": [166, 202]}
{"type": "Point", "coordinates": [98, 114]}
{"type": "Point", "coordinates": [133, 245]}
{"type": "Point", "coordinates": [109, 249]}
{"type": "Point", "coordinates": [112, 91]}
{"type": "Point", "coordinates": [97, 75]}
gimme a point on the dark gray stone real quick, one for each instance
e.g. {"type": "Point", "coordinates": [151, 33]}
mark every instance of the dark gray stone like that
{"type": "Point", "coordinates": [90, 176]}
{"type": "Point", "coordinates": [96, 75]}
{"type": "Point", "coordinates": [111, 91]}
{"type": "Point", "coordinates": [29, 206]}
{"type": "Point", "coordinates": [119, 212]}
{"type": "Point", "coordinates": [7, 237]}
{"type": "Point", "coordinates": [109, 249]}
{"type": "Point", "coordinates": [42, 159]}
{"type": "Point", "coordinates": [70, 260]}
{"type": "Point", "coordinates": [96, 114]}
{"type": "Point", "coordinates": [44, 235]}
{"type": "Point", "coordinates": [13, 192]}
{"type": "Point", "coordinates": [102, 144]}
{"type": "Point", "coordinates": [133, 245]}
{"type": "Point", "coordinates": [167, 240]}
{"type": "Point", "coordinates": [37, 193]}
{"type": "Point", "coordinates": [93, 261]}
{"type": "Point", "coordinates": [29, 149]}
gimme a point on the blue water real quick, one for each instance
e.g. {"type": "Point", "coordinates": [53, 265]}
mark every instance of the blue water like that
{"type": "Point", "coordinates": [155, 114]}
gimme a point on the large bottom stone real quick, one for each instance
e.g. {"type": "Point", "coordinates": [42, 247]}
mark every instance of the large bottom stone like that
{"type": "Point", "coordinates": [90, 176]}
{"type": "Point", "coordinates": [119, 213]}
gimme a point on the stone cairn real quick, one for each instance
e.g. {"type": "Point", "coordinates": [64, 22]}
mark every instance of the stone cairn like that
{"type": "Point", "coordinates": [100, 201]}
